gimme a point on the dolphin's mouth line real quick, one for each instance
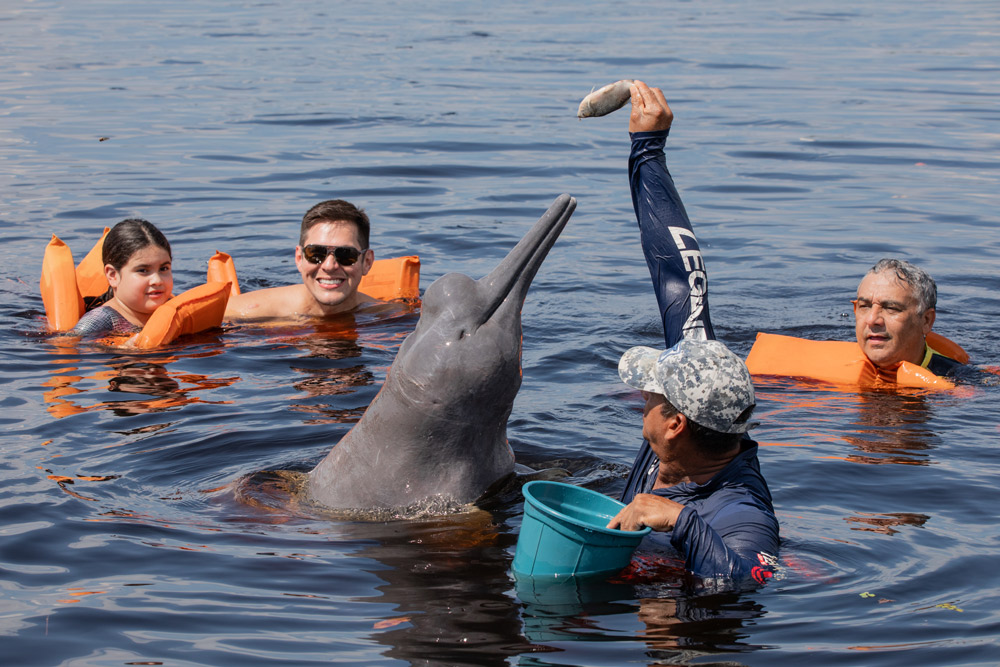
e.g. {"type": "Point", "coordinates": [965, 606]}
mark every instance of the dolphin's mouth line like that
{"type": "Point", "coordinates": [516, 271]}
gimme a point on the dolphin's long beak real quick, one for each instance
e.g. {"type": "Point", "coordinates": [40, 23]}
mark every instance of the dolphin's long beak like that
{"type": "Point", "coordinates": [513, 275]}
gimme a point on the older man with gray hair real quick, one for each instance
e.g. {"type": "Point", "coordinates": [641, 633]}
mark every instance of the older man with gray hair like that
{"type": "Point", "coordinates": [893, 313]}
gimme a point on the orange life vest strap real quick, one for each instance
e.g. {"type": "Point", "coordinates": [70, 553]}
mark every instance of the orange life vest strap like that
{"type": "Point", "coordinates": [63, 303]}
{"type": "Point", "coordinates": [90, 277]}
{"type": "Point", "coordinates": [221, 269]}
{"type": "Point", "coordinates": [912, 375]}
{"type": "Point", "coordinates": [839, 362]}
{"type": "Point", "coordinates": [63, 287]}
{"type": "Point", "coordinates": [195, 310]}
{"type": "Point", "coordinates": [393, 278]}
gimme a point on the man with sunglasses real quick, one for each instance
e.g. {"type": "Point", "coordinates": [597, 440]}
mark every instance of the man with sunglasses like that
{"type": "Point", "coordinates": [332, 256]}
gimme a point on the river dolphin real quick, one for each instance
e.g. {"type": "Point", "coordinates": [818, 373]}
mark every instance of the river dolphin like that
{"type": "Point", "coordinates": [437, 430]}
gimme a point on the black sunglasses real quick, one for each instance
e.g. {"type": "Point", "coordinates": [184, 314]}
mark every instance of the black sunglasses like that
{"type": "Point", "coordinates": [345, 255]}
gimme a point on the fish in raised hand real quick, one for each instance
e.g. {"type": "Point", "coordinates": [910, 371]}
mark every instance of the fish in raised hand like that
{"type": "Point", "coordinates": [604, 100]}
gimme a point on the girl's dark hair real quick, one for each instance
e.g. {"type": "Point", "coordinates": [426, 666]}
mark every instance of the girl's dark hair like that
{"type": "Point", "coordinates": [128, 237]}
{"type": "Point", "coordinates": [124, 240]}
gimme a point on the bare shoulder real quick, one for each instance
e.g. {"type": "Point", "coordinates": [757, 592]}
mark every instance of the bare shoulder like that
{"type": "Point", "coordinates": [266, 303]}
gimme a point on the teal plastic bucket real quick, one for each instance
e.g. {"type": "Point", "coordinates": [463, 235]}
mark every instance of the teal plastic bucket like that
{"type": "Point", "coordinates": [563, 533]}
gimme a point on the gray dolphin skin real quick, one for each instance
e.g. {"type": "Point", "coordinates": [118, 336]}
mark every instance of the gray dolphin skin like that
{"type": "Point", "coordinates": [438, 427]}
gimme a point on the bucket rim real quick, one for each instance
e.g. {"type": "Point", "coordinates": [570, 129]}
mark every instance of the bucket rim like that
{"type": "Point", "coordinates": [540, 506]}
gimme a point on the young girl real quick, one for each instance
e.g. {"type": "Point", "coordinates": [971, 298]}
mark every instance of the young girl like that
{"type": "Point", "coordinates": [137, 263]}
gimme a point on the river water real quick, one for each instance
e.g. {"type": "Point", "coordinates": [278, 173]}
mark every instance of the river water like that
{"type": "Point", "coordinates": [138, 524]}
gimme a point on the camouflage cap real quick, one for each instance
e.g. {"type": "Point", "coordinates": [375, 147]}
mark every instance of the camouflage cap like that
{"type": "Point", "coordinates": [706, 382]}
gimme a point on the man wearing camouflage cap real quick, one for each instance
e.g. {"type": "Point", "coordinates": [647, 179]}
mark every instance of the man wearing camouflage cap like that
{"type": "Point", "coordinates": [696, 481]}
{"type": "Point", "coordinates": [707, 489]}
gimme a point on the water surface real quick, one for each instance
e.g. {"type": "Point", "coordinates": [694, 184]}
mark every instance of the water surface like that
{"type": "Point", "coordinates": [138, 525]}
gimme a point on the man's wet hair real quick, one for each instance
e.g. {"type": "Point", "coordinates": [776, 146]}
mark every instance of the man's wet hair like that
{"type": "Point", "coordinates": [923, 286]}
{"type": "Point", "coordinates": [333, 210]}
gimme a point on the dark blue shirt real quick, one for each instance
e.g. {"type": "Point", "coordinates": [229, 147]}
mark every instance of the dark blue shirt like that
{"type": "Point", "coordinates": [944, 366]}
{"type": "Point", "coordinates": [727, 527]}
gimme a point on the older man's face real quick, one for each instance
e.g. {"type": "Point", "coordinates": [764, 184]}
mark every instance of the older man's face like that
{"type": "Point", "coordinates": [888, 322]}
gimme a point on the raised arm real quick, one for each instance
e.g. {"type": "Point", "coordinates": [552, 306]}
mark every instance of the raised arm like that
{"type": "Point", "coordinates": [668, 241]}
{"type": "Point", "coordinates": [732, 525]}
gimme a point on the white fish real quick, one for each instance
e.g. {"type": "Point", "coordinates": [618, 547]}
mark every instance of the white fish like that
{"type": "Point", "coordinates": [603, 101]}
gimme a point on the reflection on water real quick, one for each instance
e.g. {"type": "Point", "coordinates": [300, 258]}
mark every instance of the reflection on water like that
{"type": "Point", "coordinates": [446, 580]}
{"type": "Point", "coordinates": [446, 577]}
{"type": "Point", "coordinates": [705, 623]}
{"type": "Point", "coordinates": [129, 376]}
{"type": "Point", "coordinates": [443, 576]}
{"type": "Point", "coordinates": [886, 523]}
{"type": "Point", "coordinates": [331, 377]}
{"type": "Point", "coordinates": [893, 427]}
{"type": "Point", "coordinates": [884, 426]}
{"type": "Point", "coordinates": [68, 484]}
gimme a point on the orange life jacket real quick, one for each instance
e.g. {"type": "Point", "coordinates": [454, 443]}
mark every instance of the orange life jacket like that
{"type": "Point", "coordinates": [843, 362]}
{"type": "Point", "coordinates": [64, 289]}
{"type": "Point", "coordinates": [388, 279]}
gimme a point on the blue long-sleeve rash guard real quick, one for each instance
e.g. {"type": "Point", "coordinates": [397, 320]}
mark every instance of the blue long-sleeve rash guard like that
{"type": "Point", "coordinates": [727, 527]}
